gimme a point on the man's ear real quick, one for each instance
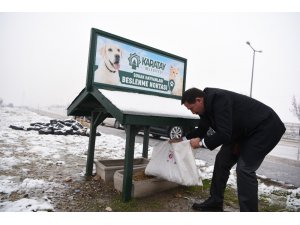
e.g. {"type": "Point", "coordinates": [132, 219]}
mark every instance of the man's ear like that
{"type": "Point", "coordinates": [198, 99]}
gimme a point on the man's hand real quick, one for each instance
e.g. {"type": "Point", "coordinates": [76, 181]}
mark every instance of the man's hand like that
{"type": "Point", "coordinates": [195, 142]}
{"type": "Point", "coordinates": [175, 140]}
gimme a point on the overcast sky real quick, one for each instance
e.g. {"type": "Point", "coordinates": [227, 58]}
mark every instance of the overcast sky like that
{"type": "Point", "coordinates": [44, 56]}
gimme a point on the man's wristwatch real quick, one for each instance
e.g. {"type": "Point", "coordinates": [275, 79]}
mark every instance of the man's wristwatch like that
{"type": "Point", "coordinates": [200, 143]}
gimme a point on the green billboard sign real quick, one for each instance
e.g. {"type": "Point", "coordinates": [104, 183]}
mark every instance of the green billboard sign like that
{"type": "Point", "coordinates": [121, 64]}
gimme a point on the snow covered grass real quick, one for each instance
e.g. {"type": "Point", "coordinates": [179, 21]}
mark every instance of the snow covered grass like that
{"type": "Point", "coordinates": [273, 192]}
{"type": "Point", "coordinates": [23, 153]}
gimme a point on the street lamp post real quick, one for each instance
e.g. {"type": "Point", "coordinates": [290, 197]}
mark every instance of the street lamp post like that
{"type": "Point", "coordinates": [248, 43]}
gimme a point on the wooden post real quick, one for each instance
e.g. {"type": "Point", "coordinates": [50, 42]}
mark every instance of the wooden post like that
{"type": "Point", "coordinates": [131, 131]}
{"type": "Point", "coordinates": [97, 118]}
{"type": "Point", "coordinates": [146, 142]}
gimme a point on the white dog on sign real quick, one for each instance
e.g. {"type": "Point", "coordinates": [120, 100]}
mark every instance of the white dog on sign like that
{"type": "Point", "coordinates": [108, 71]}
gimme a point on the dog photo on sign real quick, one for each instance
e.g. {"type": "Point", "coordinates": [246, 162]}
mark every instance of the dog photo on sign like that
{"type": "Point", "coordinates": [108, 70]}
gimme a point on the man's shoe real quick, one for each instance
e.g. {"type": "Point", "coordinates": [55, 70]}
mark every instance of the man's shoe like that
{"type": "Point", "coordinates": [208, 206]}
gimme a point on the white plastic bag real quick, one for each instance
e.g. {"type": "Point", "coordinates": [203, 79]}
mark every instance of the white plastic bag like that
{"type": "Point", "coordinates": [174, 162]}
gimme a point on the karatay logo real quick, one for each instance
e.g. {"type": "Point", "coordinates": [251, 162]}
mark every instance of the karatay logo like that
{"type": "Point", "coordinates": [149, 64]}
{"type": "Point", "coordinates": [134, 61]}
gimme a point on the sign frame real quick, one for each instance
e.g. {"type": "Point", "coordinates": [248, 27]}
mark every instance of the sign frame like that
{"type": "Point", "coordinates": [92, 67]}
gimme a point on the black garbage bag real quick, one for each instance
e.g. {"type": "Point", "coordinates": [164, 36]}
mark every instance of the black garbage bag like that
{"type": "Point", "coordinates": [47, 130]}
{"type": "Point", "coordinates": [17, 127]}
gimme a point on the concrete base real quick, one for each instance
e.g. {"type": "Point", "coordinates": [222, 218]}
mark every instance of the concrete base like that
{"type": "Point", "coordinates": [106, 168]}
{"type": "Point", "coordinates": [143, 188]}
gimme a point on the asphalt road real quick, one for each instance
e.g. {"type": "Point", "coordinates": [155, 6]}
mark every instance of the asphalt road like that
{"type": "Point", "coordinates": [274, 167]}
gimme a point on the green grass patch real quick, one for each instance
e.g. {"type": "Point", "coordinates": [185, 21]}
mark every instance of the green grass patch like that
{"type": "Point", "coordinates": [135, 205]}
{"type": "Point", "coordinates": [230, 197]}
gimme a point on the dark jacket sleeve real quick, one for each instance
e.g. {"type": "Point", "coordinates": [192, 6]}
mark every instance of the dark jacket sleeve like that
{"type": "Point", "coordinates": [222, 114]}
{"type": "Point", "coordinates": [201, 131]}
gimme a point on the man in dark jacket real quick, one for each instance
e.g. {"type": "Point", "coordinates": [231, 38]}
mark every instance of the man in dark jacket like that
{"type": "Point", "coordinates": [246, 129]}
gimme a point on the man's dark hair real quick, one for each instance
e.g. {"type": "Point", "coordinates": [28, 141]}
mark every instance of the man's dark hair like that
{"type": "Point", "coordinates": [190, 95]}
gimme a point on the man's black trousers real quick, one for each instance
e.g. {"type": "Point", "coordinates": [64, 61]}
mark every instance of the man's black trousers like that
{"type": "Point", "coordinates": [252, 150]}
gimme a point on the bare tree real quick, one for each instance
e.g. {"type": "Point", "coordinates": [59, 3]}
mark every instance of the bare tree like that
{"type": "Point", "coordinates": [296, 108]}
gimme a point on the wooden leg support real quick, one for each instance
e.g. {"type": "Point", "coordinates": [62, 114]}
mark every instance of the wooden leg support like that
{"type": "Point", "coordinates": [146, 142]}
{"type": "Point", "coordinates": [131, 132]}
{"type": "Point", "coordinates": [97, 118]}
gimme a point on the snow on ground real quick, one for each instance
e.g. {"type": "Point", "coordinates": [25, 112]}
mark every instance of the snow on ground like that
{"type": "Point", "coordinates": [20, 149]}
{"type": "Point", "coordinates": [21, 152]}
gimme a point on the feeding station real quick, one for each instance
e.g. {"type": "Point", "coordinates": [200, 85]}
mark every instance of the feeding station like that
{"type": "Point", "coordinates": [138, 85]}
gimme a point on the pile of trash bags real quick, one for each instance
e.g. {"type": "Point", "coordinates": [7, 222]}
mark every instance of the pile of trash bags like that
{"type": "Point", "coordinates": [57, 127]}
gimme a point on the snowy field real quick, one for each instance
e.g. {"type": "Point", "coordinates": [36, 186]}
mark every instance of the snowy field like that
{"type": "Point", "coordinates": [28, 162]}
